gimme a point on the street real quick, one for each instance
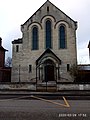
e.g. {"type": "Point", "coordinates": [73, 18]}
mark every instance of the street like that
{"type": "Point", "coordinates": [43, 109]}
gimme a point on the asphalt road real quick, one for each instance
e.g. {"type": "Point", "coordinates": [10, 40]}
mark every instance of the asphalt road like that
{"type": "Point", "coordinates": [42, 109]}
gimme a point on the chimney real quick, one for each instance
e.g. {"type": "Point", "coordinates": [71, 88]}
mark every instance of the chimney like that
{"type": "Point", "coordinates": [0, 41]}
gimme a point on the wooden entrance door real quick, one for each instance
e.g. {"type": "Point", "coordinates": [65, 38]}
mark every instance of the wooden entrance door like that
{"type": "Point", "coordinates": [49, 73]}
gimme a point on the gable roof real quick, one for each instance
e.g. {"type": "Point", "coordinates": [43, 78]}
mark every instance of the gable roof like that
{"type": "Point", "coordinates": [84, 67]}
{"type": "Point", "coordinates": [2, 49]}
{"type": "Point", "coordinates": [50, 52]}
{"type": "Point", "coordinates": [52, 5]}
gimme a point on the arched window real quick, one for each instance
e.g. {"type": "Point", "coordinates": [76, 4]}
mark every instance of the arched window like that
{"type": "Point", "coordinates": [62, 37]}
{"type": "Point", "coordinates": [48, 34]}
{"type": "Point", "coordinates": [35, 38]}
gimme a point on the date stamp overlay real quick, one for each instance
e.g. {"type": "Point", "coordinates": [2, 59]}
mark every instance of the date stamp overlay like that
{"type": "Point", "coordinates": [73, 115]}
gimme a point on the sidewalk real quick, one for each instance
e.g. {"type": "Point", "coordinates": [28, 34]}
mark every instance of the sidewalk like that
{"type": "Point", "coordinates": [70, 95]}
{"type": "Point", "coordinates": [61, 93]}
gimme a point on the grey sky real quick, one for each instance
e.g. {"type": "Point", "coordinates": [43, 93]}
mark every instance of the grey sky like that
{"type": "Point", "coordinates": [13, 13]}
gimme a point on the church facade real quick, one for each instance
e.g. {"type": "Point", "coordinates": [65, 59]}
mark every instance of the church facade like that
{"type": "Point", "coordinates": [47, 48]}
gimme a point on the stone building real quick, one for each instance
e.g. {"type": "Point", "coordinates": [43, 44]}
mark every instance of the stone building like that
{"type": "Point", "coordinates": [47, 48]}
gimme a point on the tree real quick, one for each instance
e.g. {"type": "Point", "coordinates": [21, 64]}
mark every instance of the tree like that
{"type": "Point", "coordinates": [74, 71]}
{"type": "Point", "coordinates": [8, 62]}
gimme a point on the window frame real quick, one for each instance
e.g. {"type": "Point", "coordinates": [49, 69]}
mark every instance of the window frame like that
{"type": "Point", "coordinates": [46, 35]}
{"type": "Point", "coordinates": [68, 67]}
{"type": "Point", "coordinates": [59, 37]}
{"type": "Point", "coordinates": [30, 68]}
{"type": "Point", "coordinates": [47, 8]}
{"type": "Point", "coordinates": [17, 48]}
{"type": "Point", "coordinates": [35, 47]}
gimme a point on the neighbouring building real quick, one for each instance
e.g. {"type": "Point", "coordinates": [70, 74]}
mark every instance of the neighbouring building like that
{"type": "Point", "coordinates": [47, 48]}
{"type": "Point", "coordinates": [89, 50]}
{"type": "Point", "coordinates": [5, 72]}
{"type": "Point", "coordinates": [83, 74]}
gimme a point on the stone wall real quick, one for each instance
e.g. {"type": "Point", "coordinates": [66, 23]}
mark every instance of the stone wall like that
{"type": "Point", "coordinates": [32, 87]}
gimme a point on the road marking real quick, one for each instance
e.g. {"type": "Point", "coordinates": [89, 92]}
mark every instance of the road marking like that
{"type": "Point", "coordinates": [66, 102]}
{"type": "Point", "coordinates": [15, 98]}
{"type": "Point", "coordinates": [56, 103]}
{"type": "Point", "coordinates": [50, 101]}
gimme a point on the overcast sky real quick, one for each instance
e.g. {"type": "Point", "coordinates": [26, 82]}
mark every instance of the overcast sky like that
{"type": "Point", "coordinates": [13, 13]}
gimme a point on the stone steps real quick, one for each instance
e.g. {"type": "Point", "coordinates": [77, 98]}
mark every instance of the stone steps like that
{"type": "Point", "coordinates": [49, 87]}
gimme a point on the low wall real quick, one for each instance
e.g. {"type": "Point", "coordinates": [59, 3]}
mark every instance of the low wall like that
{"type": "Point", "coordinates": [32, 86]}
{"type": "Point", "coordinates": [73, 87]}
{"type": "Point", "coordinates": [18, 86]}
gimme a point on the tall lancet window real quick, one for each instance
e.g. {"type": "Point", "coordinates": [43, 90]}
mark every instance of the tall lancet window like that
{"type": "Point", "coordinates": [48, 34]}
{"type": "Point", "coordinates": [35, 38]}
{"type": "Point", "coordinates": [62, 37]}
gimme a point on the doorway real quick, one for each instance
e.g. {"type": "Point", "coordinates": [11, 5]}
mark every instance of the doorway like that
{"type": "Point", "coordinates": [49, 71]}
